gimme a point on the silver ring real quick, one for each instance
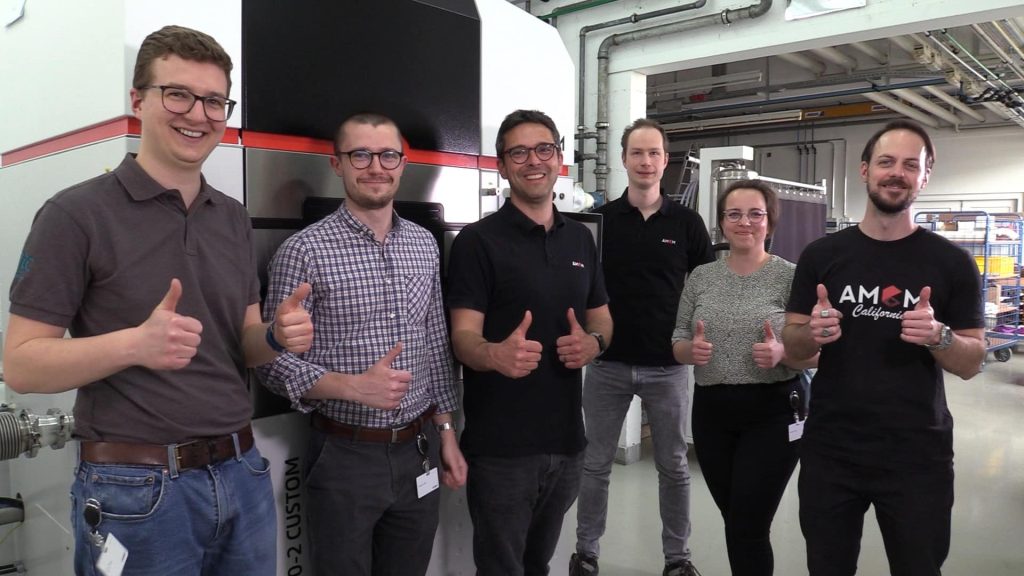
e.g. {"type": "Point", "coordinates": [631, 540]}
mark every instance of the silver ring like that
{"type": "Point", "coordinates": [825, 332]}
{"type": "Point", "coordinates": [824, 313]}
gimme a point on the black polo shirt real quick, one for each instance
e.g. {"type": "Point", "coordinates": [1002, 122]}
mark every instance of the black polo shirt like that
{"type": "Point", "coordinates": [645, 263]}
{"type": "Point", "coordinates": [502, 266]}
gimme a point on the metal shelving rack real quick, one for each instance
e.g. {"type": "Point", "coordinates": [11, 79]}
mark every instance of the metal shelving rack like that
{"type": "Point", "coordinates": [996, 242]}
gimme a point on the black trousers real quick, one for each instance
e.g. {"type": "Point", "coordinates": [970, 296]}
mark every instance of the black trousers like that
{"type": "Point", "coordinates": [741, 436]}
{"type": "Point", "coordinates": [913, 509]}
{"type": "Point", "coordinates": [517, 505]}
{"type": "Point", "coordinates": [365, 518]}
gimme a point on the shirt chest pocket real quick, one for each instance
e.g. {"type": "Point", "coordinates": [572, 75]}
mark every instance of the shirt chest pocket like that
{"type": "Point", "coordinates": [418, 290]}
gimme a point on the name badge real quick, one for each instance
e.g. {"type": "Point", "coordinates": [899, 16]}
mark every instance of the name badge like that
{"type": "Point", "coordinates": [113, 557]}
{"type": "Point", "coordinates": [796, 430]}
{"type": "Point", "coordinates": [426, 483]}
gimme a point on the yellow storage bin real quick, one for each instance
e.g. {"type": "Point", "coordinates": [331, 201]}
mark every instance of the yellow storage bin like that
{"type": "Point", "coordinates": [997, 265]}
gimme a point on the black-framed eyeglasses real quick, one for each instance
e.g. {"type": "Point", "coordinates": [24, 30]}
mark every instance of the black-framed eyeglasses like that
{"type": "Point", "coordinates": [362, 158]}
{"type": "Point", "coordinates": [520, 154]}
{"type": "Point", "coordinates": [754, 216]}
{"type": "Point", "coordinates": [180, 101]}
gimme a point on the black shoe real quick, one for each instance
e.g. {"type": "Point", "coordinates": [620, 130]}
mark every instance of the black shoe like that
{"type": "Point", "coordinates": [680, 568]}
{"type": "Point", "coordinates": [582, 565]}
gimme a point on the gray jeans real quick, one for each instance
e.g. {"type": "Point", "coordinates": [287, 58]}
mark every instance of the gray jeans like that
{"type": "Point", "coordinates": [607, 392]}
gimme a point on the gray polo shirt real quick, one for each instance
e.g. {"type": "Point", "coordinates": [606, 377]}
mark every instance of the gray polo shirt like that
{"type": "Point", "coordinates": [101, 255]}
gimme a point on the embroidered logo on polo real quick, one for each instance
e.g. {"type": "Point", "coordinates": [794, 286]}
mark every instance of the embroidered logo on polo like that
{"type": "Point", "coordinates": [878, 302]}
{"type": "Point", "coordinates": [24, 265]}
{"type": "Point", "coordinates": [578, 264]}
{"type": "Point", "coordinates": [668, 241]}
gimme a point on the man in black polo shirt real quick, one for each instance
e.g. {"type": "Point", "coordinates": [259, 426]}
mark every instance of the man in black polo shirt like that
{"type": "Point", "coordinates": [650, 245]}
{"type": "Point", "coordinates": [152, 272]}
{"type": "Point", "coordinates": [529, 310]}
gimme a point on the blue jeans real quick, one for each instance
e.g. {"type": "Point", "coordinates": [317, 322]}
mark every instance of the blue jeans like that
{"type": "Point", "coordinates": [517, 505]}
{"type": "Point", "coordinates": [607, 392]}
{"type": "Point", "coordinates": [214, 520]}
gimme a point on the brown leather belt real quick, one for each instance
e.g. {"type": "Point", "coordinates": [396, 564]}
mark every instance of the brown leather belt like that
{"type": "Point", "coordinates": [365, 434]}
{"type": "Point", "coordinates": [194, 454]}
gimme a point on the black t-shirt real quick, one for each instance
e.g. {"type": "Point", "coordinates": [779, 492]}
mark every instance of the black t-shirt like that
{"type": "Point", "coordinates": [504, 265]}
{"type": "Point", "coordinates": [645, 263]}
{"type": "Point", "coordinates": [877, 400]}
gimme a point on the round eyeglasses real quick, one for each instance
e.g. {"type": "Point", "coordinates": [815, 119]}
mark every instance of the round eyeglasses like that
{"type": "Point", "coordinates": [362, 158]}
{"type": "Point", "coordinates": [754, 216]}
{"type": "Point", "coordinates": [520, 154]}
{"type": "Point", "coordinates": [181, 101]}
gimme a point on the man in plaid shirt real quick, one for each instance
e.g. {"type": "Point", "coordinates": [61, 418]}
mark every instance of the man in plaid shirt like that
{"type": "Point", "coordinates": [378, 377]}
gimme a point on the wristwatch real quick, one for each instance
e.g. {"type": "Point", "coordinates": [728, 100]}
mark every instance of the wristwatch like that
{"type": "Point", "coordinates": [272, 342]}
{"type": "Point", "coordinates": [601, 347]}
{"type": "Point", "coordinates": [444, 426]}
{"type": "Point", "coordinates": [945, 339]}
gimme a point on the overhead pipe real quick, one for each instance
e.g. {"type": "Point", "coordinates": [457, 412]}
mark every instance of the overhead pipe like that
{"type": "Point", "coordinates": [726, 17]}
{"type": "Point", "coordinates": [582, 62]}
{"type": "Point", "coordinates": [569, 9]}
{"type": "Point", "coordinates": [927, 105]}
{"type": "Point", "coordinates": [672, 116]}
{"type": "Point", "coordinates": [1007, 60]}
{"type": "Point", "coordinates": [804, 61]}
{"type": "Point", "coordinates": [1010, 41]}
{"type": "Point", "coordinates": [1015, 29]}
{"type": "Point", "coordinates": [871, 52]}
{"type": "Point", "coordinates": [1018, 101]}
{"type": "Point", "coordinates": [896, 106]}
{"type": "Point", "coordinates": [954, 103]}
{"type": "Point", "coordinates": [836, 57]}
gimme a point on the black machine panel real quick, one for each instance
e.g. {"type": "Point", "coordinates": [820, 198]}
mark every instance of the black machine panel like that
{"type": "Point", "coordinates": [307, 64]}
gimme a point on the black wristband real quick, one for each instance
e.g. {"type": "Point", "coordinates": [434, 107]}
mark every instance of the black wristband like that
{"type": "Point", "coordinates": [271, 341]}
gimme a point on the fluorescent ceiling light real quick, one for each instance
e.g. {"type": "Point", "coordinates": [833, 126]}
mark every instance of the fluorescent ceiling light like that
{"type": "Point", "coordinates": [735, 121]}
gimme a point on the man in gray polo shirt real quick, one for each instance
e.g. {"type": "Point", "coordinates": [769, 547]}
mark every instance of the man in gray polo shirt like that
{"type": "Point", "coordinates": [151, 271]}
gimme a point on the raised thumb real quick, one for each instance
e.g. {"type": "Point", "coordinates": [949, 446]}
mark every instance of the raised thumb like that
{"type": "Point", "coordinates": [170, 301]}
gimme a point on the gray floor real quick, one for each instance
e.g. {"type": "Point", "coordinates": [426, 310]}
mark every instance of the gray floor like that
{"type": "Point", "coordinates": [988, 516]}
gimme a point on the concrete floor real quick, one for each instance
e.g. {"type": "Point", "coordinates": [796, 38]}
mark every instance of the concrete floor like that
{"type": "Point", "coordinates": [988, 515]}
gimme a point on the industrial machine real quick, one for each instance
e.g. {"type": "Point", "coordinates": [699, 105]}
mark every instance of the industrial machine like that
{"type": "Point", "coordinates": [443, 70]}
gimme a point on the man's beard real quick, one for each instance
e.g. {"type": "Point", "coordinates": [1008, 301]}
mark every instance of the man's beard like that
{"type": "Point", "coordinates": [890, 207]}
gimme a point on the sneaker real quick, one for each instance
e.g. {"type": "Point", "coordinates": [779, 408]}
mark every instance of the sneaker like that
{"type": "Point", "coordinates": [582, 565]}
{"type": "Point", "coordinates": [680, 568]}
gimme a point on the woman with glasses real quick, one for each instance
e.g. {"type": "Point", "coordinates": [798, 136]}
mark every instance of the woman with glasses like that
{"type": "Point", "coordinates": [747, 404]}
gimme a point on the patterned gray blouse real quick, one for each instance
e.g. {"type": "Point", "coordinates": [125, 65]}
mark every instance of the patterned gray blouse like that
{"type": "Point", "coordinates": [734, 309]}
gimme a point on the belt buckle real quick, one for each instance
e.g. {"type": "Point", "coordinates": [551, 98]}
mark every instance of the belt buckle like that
{"type": "Point", "coordinates": [177, 453]}
{"type": "Point", "coordinates": [396, 431]}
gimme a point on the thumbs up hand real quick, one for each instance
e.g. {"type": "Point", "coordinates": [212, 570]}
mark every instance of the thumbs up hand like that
{"type": "Point", "coordinates": [168, 340]}
{"type": "Point", "coordinates": [700, 349]}
{"type": "Point", "coordinates": [825, 319]}
{"type": "Point", "coordinates": [293, 327]}
{"type": "Point", "coordinates": [577, 348]}
{"type": "Point", "coordinates": [515, 356]}
{"type": "Point", "coordinates": [381, 386]}
{"type": "Point", "coordinates": [919, 325]}
{"type": "Point", "coordinates": [768, 353]}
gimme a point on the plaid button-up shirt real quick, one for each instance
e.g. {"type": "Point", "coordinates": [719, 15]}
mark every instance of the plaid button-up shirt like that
{"type": "Point", "coordinates": [367, 296]}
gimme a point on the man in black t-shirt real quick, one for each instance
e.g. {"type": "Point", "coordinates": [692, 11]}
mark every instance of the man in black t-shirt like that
{"type": "Point", "coordinates": [890, 306]}
{"type": "Point", "coordinates": [529, 310]}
